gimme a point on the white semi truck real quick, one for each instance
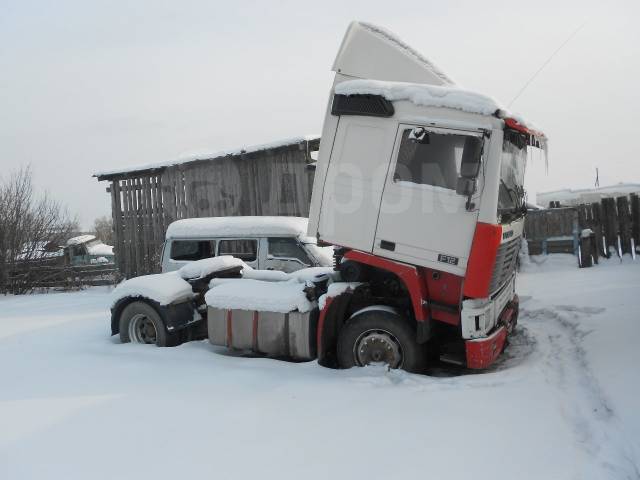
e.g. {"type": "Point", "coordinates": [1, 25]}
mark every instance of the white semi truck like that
{"type": "Point", "coordinates": [419, 188]}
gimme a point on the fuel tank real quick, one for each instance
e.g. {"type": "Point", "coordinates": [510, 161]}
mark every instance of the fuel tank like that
{"type": "Point", "coordinates": [291, 334]}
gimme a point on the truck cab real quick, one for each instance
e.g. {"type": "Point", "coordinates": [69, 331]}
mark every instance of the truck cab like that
{"type": "Point", "coordinates": [419, 183]}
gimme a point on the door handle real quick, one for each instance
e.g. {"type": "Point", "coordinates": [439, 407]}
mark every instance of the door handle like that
{"type": "Point", "coordinates": [386, 245]}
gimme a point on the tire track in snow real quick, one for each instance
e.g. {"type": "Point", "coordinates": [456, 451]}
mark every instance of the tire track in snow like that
{"type": "Point", "coordinates": [583, 402]}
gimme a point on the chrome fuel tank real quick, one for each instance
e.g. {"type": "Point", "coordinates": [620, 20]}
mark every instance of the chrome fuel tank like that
{"type": "Point", "coordinates": [291, 334]}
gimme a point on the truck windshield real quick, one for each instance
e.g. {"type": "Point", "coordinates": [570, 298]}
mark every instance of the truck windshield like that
{"type": "Point", "coordinates": [513, 163]}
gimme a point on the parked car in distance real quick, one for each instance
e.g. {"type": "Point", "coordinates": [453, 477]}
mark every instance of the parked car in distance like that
{"type": "Point", "coordinates": [87, 250]}
{"type": "Point", "coordinates": [264, 243]}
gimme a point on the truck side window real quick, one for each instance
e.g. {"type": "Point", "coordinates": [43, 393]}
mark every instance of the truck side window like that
{"type": "Point", "coordinates": [192, 249]}
{"type": "Point", "coordinates": [244, 249]}
{"type": "Point", "coordinates": [433, 160]}
{"type": "Point", "coordinates": [287, 248]}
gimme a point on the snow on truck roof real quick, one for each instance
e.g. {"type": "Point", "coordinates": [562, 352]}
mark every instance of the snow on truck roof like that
{"type": "Point", "coordinates": [209, 155]}
{"type": "Point", "coordinates": [422, 95]}
{"type": "Point", "coordinates": [232, 226]}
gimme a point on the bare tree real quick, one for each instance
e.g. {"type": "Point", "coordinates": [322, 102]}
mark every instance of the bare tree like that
{"type": "Point", "coordinates": [103, 229]}
{"type": "Point", "coordinates": [31, 226]}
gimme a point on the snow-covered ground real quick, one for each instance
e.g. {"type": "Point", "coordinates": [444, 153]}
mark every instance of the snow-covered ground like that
{"type": "Point", "coordinates": [563, 403]}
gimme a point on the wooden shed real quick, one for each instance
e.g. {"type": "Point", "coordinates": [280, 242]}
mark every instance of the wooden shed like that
{"type": "Point", "coordinates": [270, 179]}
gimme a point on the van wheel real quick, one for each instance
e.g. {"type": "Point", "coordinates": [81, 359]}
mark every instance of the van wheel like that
{"type": "Point", "coordinates": [380, 337]}
{"type": "Point", "coordinates": [141, 323]}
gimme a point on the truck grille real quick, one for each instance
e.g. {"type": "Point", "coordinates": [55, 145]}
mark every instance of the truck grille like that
{"type": "Point", "coordinates": [505, 263]}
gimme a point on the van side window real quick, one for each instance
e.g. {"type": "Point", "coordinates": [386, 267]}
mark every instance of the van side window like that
{"type": "Point", "coordinates": [192, 249]}
{"type": "Point", "coordinates": [244, 249]}
{"type": "Point", "coordinates": [431, 158]}
{"type": "Point", "coordinates": [287, 248]}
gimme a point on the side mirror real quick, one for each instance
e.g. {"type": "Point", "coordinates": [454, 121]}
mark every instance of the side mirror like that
{"type": "Point", "coordinates": [419, 135]}
{"type": "Point", "coordinates": [466, 186]}
{"type": "Point", "coordinates": [471, 157]}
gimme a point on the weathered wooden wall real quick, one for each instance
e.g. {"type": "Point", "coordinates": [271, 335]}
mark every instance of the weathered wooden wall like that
{"type": "Point", "coordinates": [552, 231]}
{"type": "Point", "coordinates": [615, 223]}
{"type": "Point", "coordinates": [268, 182]}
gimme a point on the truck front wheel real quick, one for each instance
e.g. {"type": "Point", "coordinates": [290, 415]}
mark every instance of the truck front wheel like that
{"type": "Point", "coordinates": [380, 337]}
{"type": "Point", "coordinates": [141, 323]}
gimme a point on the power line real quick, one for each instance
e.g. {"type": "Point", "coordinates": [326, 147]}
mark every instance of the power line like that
{"type": "Point", "coordinates": [547, 62]}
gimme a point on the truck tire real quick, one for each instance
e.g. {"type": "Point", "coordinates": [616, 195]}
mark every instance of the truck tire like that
{"type": "Point", "coordinates": [378, 336]}
{"type": "Point", "coordinates": [141, 323]}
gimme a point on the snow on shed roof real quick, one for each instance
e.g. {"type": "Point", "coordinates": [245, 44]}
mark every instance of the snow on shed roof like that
{"type": "Point", "coordinates": [251, 226]}
{"type": "Point", "coordinates": [577, 196]}
{"type": "Point", "coordinates": [208, 155]}
{"type": "Point", "coordinates": [617, 188]}
{"type": "Point", "coordinates": [80, 239]}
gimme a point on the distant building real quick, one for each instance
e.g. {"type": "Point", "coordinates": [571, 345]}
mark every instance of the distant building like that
{"type": "Point", "coordinates": [270, 179]}
{"type": "Point", "coordinates": [569, 197]}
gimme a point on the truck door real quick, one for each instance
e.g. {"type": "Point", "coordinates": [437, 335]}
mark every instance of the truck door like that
{"type": "Point", "coordinates": [422, 219]}
{"type": "Point", "coordinates": [354, 181]}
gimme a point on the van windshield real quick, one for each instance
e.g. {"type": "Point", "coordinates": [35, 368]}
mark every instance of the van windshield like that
{"type": "Point", "coordinates": [323, 255]}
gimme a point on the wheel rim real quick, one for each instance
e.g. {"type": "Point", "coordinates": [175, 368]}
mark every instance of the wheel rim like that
{"type": "Point", "coordinates": [142, 329]}
{"type": "Point", "coordinates": [378, 347]}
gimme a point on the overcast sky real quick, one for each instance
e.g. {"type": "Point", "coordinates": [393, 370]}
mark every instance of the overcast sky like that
{"type": "Point", "coordinates": [91, 85]}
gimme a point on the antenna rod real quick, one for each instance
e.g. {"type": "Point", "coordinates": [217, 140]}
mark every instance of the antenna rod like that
{"type": "Point", "coordinates": [546, 63]}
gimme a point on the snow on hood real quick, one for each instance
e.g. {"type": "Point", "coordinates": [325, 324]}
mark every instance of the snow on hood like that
{"type": "Point", "coordinates": [221, 226]}
{"type": "Point", "coordinates": [422, 95]}
{"type": "Point", "coordinates": [303, 275]}
{"type": "Point", "coordinates": [264, 296]}
{"type": "Point", "coordinates": [100, 249]}
{"type": "Point", "coordinates": [207, 266]}
{"type": "Point", "coordinates": [164, 288]}
{"type": "Point", "coordinates": [313, 273]}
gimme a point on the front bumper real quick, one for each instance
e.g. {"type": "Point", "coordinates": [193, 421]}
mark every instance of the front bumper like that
{"type": "Point", "coordinates": [482, 352]}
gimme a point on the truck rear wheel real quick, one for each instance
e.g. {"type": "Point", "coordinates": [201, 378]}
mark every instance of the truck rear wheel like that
{"type": "Point", "coordinates": [141, 323]}
{"type": "Point", "coordinates": [380, 337]}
